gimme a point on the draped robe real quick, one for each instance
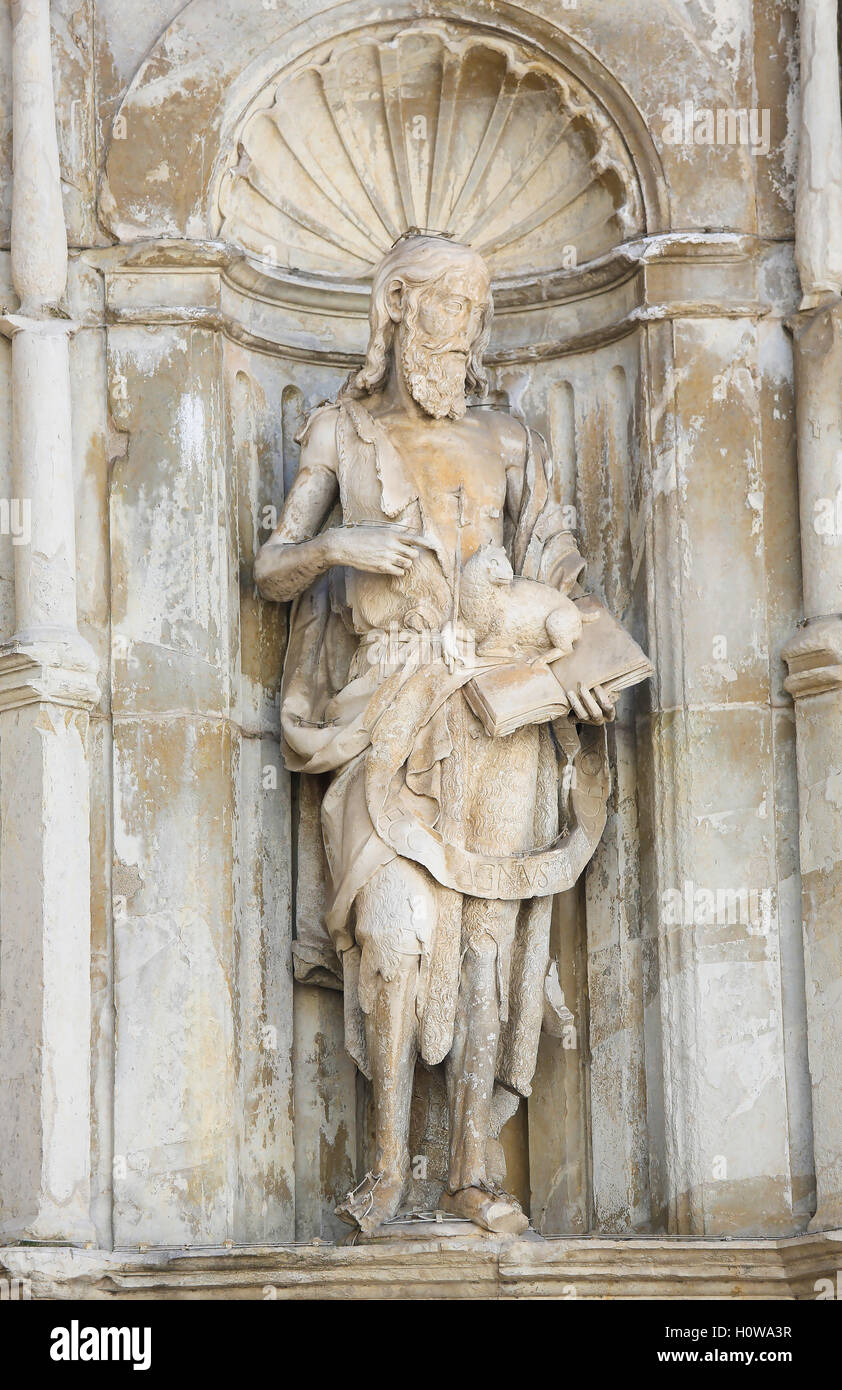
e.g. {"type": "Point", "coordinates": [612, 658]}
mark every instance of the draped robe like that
{"type": "Point", "coordinates": [367, 698]}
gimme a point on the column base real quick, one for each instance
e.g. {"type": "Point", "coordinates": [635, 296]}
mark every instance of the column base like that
{"type": "Point", "coordinates": [827, 1218]}
{"type": "Point", "coordinates": [51, 1228]}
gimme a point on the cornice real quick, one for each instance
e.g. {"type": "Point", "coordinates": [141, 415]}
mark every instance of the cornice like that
{"type": "Point", "coordinates": [318, 319]}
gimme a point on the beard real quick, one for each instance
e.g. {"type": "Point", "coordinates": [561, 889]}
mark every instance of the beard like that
{"type": "Point", "coordinates": [435, 377]}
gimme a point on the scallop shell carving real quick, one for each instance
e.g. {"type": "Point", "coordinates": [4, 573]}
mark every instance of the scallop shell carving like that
{"type": "Point", "coordinates": [462, 134]}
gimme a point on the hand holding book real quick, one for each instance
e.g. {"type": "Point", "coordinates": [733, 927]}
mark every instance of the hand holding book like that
{"type": "Point", "coordinates": [583, 684]}
{"type": "Point", "coordinates": [594, 706]}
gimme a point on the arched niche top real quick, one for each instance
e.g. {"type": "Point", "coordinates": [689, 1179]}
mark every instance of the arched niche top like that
{"type": "Point", "coordinates": [553, 159]}
{"type": "Point", "coordinates": [431, 125]}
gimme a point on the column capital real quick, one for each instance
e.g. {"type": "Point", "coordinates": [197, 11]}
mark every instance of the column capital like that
{"type": "Point", "coordinates": [814, 656]}
{"type": "Point", "coordinates": [62, 672]}
{"type": "Point", "coordinates": [10, 324]}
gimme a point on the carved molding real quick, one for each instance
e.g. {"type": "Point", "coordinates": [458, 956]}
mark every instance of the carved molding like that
{"type": "Point", "coordinates": [29, 676]}
{"type": "Point", "coordinates": [814, 657]}
{"type": "Point", "coordinates": [429, 1266]}
{"type": "Point", "coordinates": [212, 284]}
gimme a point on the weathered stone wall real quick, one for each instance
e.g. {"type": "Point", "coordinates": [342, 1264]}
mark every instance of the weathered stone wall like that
{"type": "Point", "coordinates": [223, 1104]}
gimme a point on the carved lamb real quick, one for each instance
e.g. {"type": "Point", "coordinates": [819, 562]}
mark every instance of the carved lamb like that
{"type": "Point", "coordinates": [512, 616]}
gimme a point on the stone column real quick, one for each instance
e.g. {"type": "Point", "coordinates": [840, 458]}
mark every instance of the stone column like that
{"type": "Point", "coordinates": [814, 654]}
{"type": "Point", "coordinates": [818, 233]}
{"type": "Point", "coordinates": [725, 1093]}
{"type": "Point", "coordinates": [47, 686]}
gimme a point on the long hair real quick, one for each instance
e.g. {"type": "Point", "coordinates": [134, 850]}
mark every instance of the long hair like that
{"type": "Point", "coordinates": [417, 261]}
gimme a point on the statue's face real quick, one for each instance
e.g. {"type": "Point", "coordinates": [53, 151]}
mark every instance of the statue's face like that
{"type": "Point", "coordinates": [498, 565]}
{"type": "Point", "coordinates": [441, 322]}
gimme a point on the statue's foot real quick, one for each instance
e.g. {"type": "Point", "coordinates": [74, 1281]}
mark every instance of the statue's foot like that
{"type": "Point", "coordinates": [374, 1200]}
{"type": "Point", "coordinates": [494, 1211]}
{"type": "Point", "coordinates": [547, 658]}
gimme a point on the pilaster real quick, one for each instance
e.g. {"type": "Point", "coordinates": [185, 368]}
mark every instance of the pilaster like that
{"type": "Point", "coordinates": [48, 684]}
{"type": "Point", "coordinates": [814, 653]}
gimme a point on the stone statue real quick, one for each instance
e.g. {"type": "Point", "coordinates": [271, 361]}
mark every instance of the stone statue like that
{"type": "Point", "coordinates": [424, 544]}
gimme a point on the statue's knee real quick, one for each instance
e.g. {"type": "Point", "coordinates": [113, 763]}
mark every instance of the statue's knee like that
{"type": "Point", "coordinates": [396, 910]}
{"type": "Point", "coordinates": [387, 933]}
{"type": "Point", "coordinates": [385, 973]}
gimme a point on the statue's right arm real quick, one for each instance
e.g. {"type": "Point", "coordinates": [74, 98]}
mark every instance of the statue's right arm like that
{"type": "Point", "coordinates": [297, 551]}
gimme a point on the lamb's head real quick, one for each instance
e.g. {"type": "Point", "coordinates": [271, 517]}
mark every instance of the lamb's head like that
{"type": "Point", "coordinates": [488, 565]}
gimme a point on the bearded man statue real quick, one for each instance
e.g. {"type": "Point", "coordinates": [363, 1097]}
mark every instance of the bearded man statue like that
{"type": "Point", "coordinates": [442, 841]}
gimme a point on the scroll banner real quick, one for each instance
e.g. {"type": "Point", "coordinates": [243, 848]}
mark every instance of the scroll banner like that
{"type": "Point", "coordinates": [536, 874]}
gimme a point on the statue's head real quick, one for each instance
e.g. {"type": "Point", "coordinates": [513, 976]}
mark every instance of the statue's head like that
{"type": "Point", "coordinates": [489, 564]}
{"type": "Point", "coordinates": [431, 308]}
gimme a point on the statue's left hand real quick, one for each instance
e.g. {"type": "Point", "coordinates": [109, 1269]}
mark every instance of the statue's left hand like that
{"type": "Point", "coordinates": [594, 706]}
{"type": "Point", "coordinates": [453, 644]}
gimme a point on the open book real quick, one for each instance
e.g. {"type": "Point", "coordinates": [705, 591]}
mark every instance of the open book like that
{"type": "Point", "coordinates": [507, 697]}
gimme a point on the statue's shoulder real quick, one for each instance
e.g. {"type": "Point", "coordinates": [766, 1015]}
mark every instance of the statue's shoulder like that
{"type": "Point", "coordinates": [505, 432]}
{"type": "Point", "coordinates": [318, 434]}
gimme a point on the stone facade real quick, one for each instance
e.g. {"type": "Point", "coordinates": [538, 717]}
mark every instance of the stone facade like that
{"type": "Point", "coordinates": [200, 191]}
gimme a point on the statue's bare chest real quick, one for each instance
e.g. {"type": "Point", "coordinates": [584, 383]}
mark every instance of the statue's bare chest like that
{"type": "Point", "coordinates": [461, 482]}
